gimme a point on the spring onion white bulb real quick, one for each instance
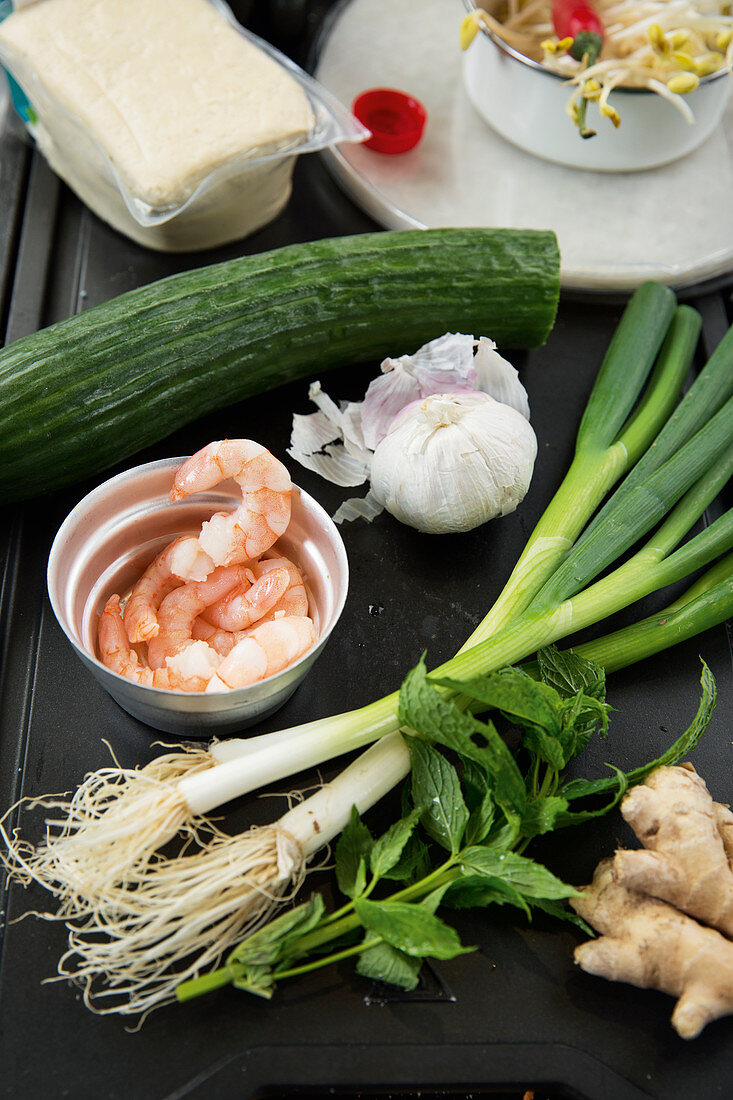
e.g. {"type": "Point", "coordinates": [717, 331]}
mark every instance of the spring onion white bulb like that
{"type": "Point", "coordinates": [179, 916]}
{"type": "Point", "coordinates": [453, 461]}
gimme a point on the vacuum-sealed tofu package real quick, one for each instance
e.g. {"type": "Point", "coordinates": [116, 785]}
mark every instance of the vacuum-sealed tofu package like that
{"type": "Point", "coordinates": [168, 119]}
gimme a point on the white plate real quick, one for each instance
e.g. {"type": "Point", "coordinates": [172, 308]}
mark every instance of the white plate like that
{"type": "Point", "coordinates": [673, 224]}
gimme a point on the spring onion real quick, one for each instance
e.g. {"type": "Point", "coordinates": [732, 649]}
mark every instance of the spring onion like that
{"type": "Point", "coordinates": [612, 436]}
{"type": "Point", "coordinates": [707, 603]}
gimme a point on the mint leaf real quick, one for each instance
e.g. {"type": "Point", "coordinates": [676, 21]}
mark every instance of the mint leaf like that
{"type": "Point", "coordinates": [257, 980]}
{"type": "Point", "coordinates": [475, 891]}
{"type": "Point", "coordinates": [581, 716]}
{"type": "Point", "coordinates": [432, 900]}
{"type": "Point", "coordinates": [387, 849]}
{"type": "Point", "coordinates": [435, 786]}
{"type": "Point", "coordinates": [479, 799]}
{"type": "Point", "coordinates": [530, 879]}
{"type": "Point", "coordinates": [557, 724]}
{"type": "Point", "coordinates": [352, 853]}
{"type": "Point", "coordinates": [587, 788]}
{"type": "Point", "coordinates": [568, 673]}
{"type": "Point", "coordinates": [410, 928]}
{"type": "Point", "coordinates": [535, 706]}
{"type": "Point", "coordinates": [508, 787]}
{"type": "Point", "coordinates": [620, 781]}
{"type": "Point", "coordinates": [480, 821]}
{"type": "Point", "coordinates": [269, 944]}
{"type": "Point", "coordinates": [384, 963]}
{"type": "Point", "coordinates": [424, 709]}
{"type": "Point", "coordinates": [541, 815]}
{"type": "Point", "coordinates": [561, 912]}
{"type": "Point", "coordinates": [516, 695]}
{"type": "Point", "coordinates": [549, 749]}
{"type": "Point", "coordinates": [582, 788]}
{"type": "Point", "coordinates": [583, 685]}
{"type": "Point", "coordinates": [476, 783]}
{"type": "Point", "coordinates": [503, 838]}
{"type": "Point", "coordinates": [413, 864]}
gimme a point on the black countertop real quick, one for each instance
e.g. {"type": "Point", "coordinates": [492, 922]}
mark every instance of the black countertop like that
{"type": "Point", "coordinates": [515, 1014]}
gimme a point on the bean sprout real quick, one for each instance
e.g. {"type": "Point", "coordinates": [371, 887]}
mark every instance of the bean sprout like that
{"type": "Point", "coordinates": [666, 46]}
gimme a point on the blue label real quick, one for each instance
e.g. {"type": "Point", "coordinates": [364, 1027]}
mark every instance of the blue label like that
{"type": "Point", "coordinates": [20, 99]}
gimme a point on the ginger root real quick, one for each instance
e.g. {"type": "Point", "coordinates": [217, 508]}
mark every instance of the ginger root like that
{"type": "Point", "coordinates": [651, 905]}
{"type": "Point", "coordinates": [684, 859]}
{"type": "Point", "coordinates": [652, 945]}
{"type": "Point", "coordinates": [724, 818]}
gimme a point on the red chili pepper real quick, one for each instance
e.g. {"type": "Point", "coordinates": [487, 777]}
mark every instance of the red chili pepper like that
{"type": "Point", "coordinates": [579, 20]}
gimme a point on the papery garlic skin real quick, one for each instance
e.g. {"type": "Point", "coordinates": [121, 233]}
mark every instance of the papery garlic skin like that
{"type": "Point", "coordinates": [443, 365]}
{"type": "Point", "coordinates": [497, 377]}
{"type": "Point", "coordinates": [454, 363]}
{"type": "Point", "coordinates": [450, 462]}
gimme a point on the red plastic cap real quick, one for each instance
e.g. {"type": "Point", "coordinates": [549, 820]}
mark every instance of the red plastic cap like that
{"type": "Point", "coordinates": [395, 119]}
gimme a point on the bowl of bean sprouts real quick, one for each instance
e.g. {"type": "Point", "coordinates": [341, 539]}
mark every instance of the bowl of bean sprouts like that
{"type": "Point", "coordinates": [118, 529]}
{"type": "Point", "coordinates": [655, 93]}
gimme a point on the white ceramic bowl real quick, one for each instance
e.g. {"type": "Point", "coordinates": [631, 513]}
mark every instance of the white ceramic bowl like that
{"type": "Point", "coordinates": [525, 103]}
{"type": "Point", "coordinates": [106, 542]}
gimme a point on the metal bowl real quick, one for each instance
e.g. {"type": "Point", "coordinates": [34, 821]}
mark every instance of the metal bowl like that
{"type": "Point", "coordinates": [112, 535]}
{"type": "Point", "coordinates": [525, 102]}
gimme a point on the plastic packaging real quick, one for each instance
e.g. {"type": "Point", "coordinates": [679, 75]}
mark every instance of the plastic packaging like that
{"type": "Point", "coordinates": [234, 198]}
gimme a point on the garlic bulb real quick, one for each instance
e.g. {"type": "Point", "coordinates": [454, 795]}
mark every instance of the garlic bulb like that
{"type": "Point", "coordinates": [453, 461]}
{"type": "Point", "coordinates": [339, 441]}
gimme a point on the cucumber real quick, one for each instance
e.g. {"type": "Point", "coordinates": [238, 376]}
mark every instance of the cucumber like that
{"type": "Point", "coordinates": [88, 392]}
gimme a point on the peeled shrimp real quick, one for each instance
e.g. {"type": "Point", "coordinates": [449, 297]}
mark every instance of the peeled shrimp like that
{"type": "Point", "coordinates": [190, 671]}
{"type": "Point", "coordinates": [182, 557]}
{"type": "Point", "coordinates": [265, 650]}
{"type": "Point", "coordinates": [178, 611]}
{"type": "Point", "coordinates": [294, 600]}
{"type": "Point", "coordinates": [263, 515]}
{"type": "Point", "coordinates": [222, 641]}
{"type": "Point", "coordinates": [245, 605]}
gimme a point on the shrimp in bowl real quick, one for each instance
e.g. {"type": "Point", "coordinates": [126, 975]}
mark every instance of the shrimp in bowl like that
{"type": "Point", "coordinates": [127, 538]}
{"type": "Point", "coordinates": [222, 607]}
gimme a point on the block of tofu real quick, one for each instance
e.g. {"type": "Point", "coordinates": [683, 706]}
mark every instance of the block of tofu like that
{"type": "Point", "coordinates": [158, 100]}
